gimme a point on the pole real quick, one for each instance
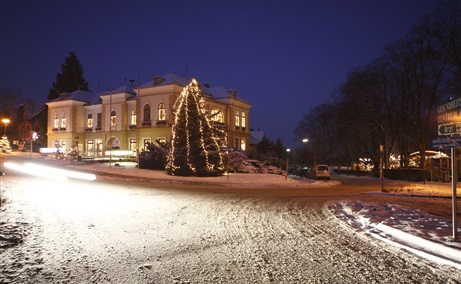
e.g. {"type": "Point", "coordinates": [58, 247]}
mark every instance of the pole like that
{"type": "Point", "coordinates": [286, 173]}
{"type": "Point", "coordinates": [381, 174]}
{"type": "Point", "coordinates": [110, 129]}
{"type": "Point", "coordinates": [454, 179]}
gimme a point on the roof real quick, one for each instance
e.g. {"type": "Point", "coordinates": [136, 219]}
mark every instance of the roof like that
{"type": "Point", "coordinates": [256, 137]}
{"type": "Point", "coordinates": [167, 79]}
{"type": "Point", "coordinates": [79, 95]}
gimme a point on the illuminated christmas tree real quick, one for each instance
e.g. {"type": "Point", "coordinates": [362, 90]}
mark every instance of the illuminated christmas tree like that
{"type": "Point", "coordinates": [196, 143]}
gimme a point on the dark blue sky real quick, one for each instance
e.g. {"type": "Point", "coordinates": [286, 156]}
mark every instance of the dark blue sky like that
{"type": "Point", "coordinates": [284, 57]}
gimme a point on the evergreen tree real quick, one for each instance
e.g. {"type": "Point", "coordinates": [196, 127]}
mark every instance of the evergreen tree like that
{"type": "Point", "coordinates": [195, 144]}
{"type": "Point", "coordinates": [70, 79]}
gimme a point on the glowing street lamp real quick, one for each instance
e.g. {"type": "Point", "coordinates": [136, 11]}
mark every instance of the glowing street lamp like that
{"type": "Point", "coordinates": [5, 121]}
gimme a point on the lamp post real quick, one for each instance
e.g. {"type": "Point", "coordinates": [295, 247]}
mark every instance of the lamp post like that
{"type": "Point", "coordinates": [5, 121]}
{"type": "Point", "coordinates": [286, 172]}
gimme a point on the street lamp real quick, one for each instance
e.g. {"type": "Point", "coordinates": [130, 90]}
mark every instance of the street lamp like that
{"type": "Point", "coordinates": [286, 172]}
{"type": "Point", "coordinates": [5, 121]}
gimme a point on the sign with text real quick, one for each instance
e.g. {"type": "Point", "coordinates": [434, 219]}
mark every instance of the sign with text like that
{"type": "Point", "coordinates": [449, 112]}
{"type": "Point", "coordinates": [450, 129]}
{"type": "Point", "coordinates": [446, 143]}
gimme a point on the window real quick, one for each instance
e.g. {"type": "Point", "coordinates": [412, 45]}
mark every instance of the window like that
{"type": "Point", "coordinates": [161, 140]}
{"type": "Point", "coordinates": [99, 120]}
{"type": "Point", "coordinates": [161, 112]}
{"type": "Point", "coordinates": [237, 142]}
{"type": "Point", "coordinates": [144, 142]}
{"type": "Point", "coordinates": [242, 144]}
{"type": "Point", "coordinates": [146, 117]}
{"type": "Point", "coordinates": [113, 118]}
{"type": "Point", "coordinates": [133, 144]}
{"type": "Point", "coordinates": [237, 119]}
{"type": "Point", "coordinates": [133, 117]}
{"type": "Point", "coordinates": [63, 121]}
{"type": "Point", "coordinates": [90, 147]}
{"type": "Point", "coordinates": [243, 122]}
{"type": "Point", "coordinates": [216, 115]}
{"type": "Point", "coordinates": [56, 121]}
{"type": "Point", "coordinates": [90, 120]}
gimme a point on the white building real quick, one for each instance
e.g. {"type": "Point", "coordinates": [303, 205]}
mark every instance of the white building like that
{"type": "Point", "coordinates": [128, 117]}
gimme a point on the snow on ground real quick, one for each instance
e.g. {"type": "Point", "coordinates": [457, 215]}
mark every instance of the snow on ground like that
{"type": "Point", "coordinates": [413, 230]}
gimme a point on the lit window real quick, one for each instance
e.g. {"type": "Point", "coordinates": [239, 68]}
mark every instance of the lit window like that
{"type": "Point", "coordinates": [237, 119]}
{"type": "Point", "coordinates": [56, 121]}
{"type": "Point", "coordinates": [146, 141]}
{"type": "Point", "coordinates": [133, 117]}
{"type": "Point", "coordinates": [242, 144]}
{"type": "Point", "coordinates": [133, 144]}
{"type": "Point", "coordinates": [63, 121]}
{"type": "Point", "coordinates": [146, 117]}
{"type": "Point", "coordinates": [113, 118]}
{"type": "Point", "coordinates": [90, 120]}
{"type": "Point", "coordinates": [244, 122]}
{"type": "Point", "coordinates": [161, 140]}
{"type": "Point", "coordinates": [216, 115]}
{"type": "Point", "coordinates": [161, 112]}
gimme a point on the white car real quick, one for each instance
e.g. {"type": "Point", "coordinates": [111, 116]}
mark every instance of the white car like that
{"type": "Point", "coordinates": [320, 172]}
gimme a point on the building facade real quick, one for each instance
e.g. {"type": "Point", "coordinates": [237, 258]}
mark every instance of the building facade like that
{"type": "Point", "coordinates": [123, 120]}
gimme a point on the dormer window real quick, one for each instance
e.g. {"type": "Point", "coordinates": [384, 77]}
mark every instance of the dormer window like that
{"type": "Point", "coordinates": [157, 80]}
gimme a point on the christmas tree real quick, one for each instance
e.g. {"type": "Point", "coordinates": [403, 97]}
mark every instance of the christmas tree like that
{"type": "Point", "coordinates": [196, 144]}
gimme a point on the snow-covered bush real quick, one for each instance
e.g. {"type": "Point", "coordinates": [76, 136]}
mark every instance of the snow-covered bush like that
{"type": "Point", "coordinates": [154, 157]}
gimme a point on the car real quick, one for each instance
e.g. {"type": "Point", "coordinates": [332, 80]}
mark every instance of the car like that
{"type": "Point", "coordinates": [320, 172]}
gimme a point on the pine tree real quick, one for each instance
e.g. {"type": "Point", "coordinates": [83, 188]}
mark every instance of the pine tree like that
{"type": "Point", "coordinates": [70, 79]}
{"type": "Point", "coordinates": [195, 145]}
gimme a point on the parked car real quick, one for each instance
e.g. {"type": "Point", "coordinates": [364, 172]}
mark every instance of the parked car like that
{"type": "Point", "coordinates": [320, 172]}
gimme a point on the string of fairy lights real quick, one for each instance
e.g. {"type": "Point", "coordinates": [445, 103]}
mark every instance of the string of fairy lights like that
{"type": "Point", "coordinates": [191, 97]}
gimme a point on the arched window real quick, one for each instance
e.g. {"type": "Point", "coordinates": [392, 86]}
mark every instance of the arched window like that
{"type": "Point", "coordinates": [63, 120]}
{"type": "Point", "coordinates": [113, 118]}
{"type": "Point", "coordinates": [161, 112]}
{"type": "Point", "coordinates": [56, 121]}
{"type": "Point", "coordinates": [146, 114]}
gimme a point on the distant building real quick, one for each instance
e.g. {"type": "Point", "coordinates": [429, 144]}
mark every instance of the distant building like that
{"type": "Point", "coordinates": [127, 118]}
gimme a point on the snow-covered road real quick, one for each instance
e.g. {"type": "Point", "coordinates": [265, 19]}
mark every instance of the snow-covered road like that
{"type": "Point", "coordinates": [102, 232]}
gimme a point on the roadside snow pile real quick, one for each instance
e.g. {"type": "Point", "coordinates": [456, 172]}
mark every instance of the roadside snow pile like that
{"type": "Point", "coordinates": [128, 169]}
{"type": "Point", "coordinates": [413, 230]}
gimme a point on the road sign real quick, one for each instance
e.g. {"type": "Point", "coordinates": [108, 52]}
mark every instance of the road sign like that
{"type": "Point", "coordinates": [448, 114]}
{"type": "Point", "coordinates": [450, 129]}
{"type": "Point", "coordinates": [446, 143]}
{"type": "Point", "coordinates": [227, 149]}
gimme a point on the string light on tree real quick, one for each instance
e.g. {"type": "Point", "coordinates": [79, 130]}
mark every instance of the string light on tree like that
{"type": "Point", "coordinates": [196, 143]}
